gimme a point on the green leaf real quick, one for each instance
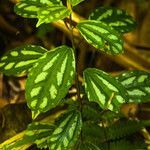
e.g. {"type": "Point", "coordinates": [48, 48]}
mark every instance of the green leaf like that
{"type": "Point", "coordinates": [36, 133]}
{"type": "Point", "coordinates": [104, 89]}
{"type": "Point", "coordinates": [67, 131]}
{"type": "Point", "coordinates": [75, 2]}
{"type": "Point", "coordinates": [88, 146]}
{"type": "Point", "coordinates": [137, 84]}
{"type": "Point", "coordinates": [120, 20]}
{"type": "Point", "coordinates": [124, 145]}
{"type": "Point", "coordinates": [50, 79]}
{"type": "Point", "coordinates": [93, 133]}
{"type": "Point", "coordinates": [124, 128]}
{"type": "Point", "coordinates": [29, 8]}
{"type": "Point", "coordinates": [120, 129]}
{"type": "Point", "coordinates": [52, 13]}
{"type": "Point", "coordinates": [20, 59]}
{"type": "Point", "coordinates": [91, 113]}
{"type": "Point", "coordinates": [101, 36]}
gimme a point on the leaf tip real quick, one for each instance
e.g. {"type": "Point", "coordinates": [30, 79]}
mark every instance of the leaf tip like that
{"type": "Point", "coordinates": [35, 114]}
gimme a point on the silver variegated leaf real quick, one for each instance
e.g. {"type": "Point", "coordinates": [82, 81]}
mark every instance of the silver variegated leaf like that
{"type": "Point", "coordinates": [68, 129]}
{"type": "Point", "coordinates": [118, 19]}
{"type": "Point", "coordinates": [36, 133]}
{"type": "Point", "coordinates": [101, 36]}
{"type": "Point", "coordinates": [137, 84]}
{"type": "Point", "coordinates": [104, 89]}
{"type": "Point", "coordinates": [39, 133]}
{"type": "Point", "coordinates": [75, 2]}
{"type": "Point", "coordinates": [88, 146]}
{"type": "Point", "coordinates": [52, 13]}
{"type": "Point", "coordinates": [50, 79]}
{"type": "Point", "coordinates": [20, 59]}
{"type": "Point", "coordinates": [29, 8]}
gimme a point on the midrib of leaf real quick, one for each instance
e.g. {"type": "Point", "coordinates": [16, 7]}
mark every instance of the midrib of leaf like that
{"type": "Point", "coordinates": [99, 84]}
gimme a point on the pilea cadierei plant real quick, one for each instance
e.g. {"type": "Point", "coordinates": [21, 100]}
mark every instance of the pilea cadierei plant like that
{"type": "Point", "coordinates": [88, 122]}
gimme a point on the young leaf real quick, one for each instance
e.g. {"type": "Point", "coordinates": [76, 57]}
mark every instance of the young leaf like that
{"type": "Point", "coordinates": [101, 36]}
{"type": "Point", "coordinates": [88, 146]}
{"type": "Point", "coordinates": [29, 8]}
{"type": "Point", "coordinates": [67, 131]}
{"type": "Point", "coordinates": [137, 84]}
{"type": "Point", "coordinates": [120, 20]}
{"type": "Point", "coordinates": [104, 89]}
{"type": "Point", "coordinates": [75, 2]}
{"type": "Point", "coordinates": [37, 133]}
{"type": "Point", "coordinates": [52, 13]}
{"type": "Point", "coordinates": [20, 59]}
{"type": "Point", "coordinates": [50, 79]}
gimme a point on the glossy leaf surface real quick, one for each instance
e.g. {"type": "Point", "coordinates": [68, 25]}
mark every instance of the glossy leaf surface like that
{"type": "Point", "coordinates": [65, 135]}
{"type": "Point", "coordinates": [104, 89]}
{"type": "Point", "coordinates": [20, 59]}
{"type": "Point", "coordinates": [29, 8]}
{"type": "Point", "coordinates": [50, 79]}
{"type": "Point", "coordinates": [52, 13]}
{"type": "Point", "coordinates": [137, 84]}
{"type": "Point", "coordinates": [101, 36]}
{"type": "Point", "coordinates": [120, 20]}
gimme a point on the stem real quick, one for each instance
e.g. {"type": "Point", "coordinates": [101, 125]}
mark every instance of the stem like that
{"type": "Point", "coordinates": [71, 27]}
{"type": "Point", "coordinates": [77, 83]}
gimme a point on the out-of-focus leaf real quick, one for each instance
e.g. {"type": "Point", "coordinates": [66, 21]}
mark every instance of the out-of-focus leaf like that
{"type": "Point", "coordinates": [137, 84]}
{"type": "Point", "coordinates": [120, 20]}
{"type": "Point", "coordinates": [52, 13]}
{"type": "Point", "coordinates": [29, 8]}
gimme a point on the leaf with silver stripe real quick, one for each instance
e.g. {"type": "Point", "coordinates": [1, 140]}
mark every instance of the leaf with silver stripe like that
{"type": "Point", "coordinates": [137, 84]}
{"type": "Point", "coordinates": [21, 59]}
{"type": "Point", "coordinates": [29, 8]}
{"type": "Point", "coordinates": [51, 14]}
{"type": "Point", "coordinates": [50, 79]}
{"type": "Point", "coordinates": [120, 20]}
{"type": "Point", "coordinates": [101, 36]}
{"type": "Point", "coordinates": [36, 133]}
{"type": "Point", "coordinates": [103, 89]}
{"type": "Point", "coordinates": [67, 131]}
